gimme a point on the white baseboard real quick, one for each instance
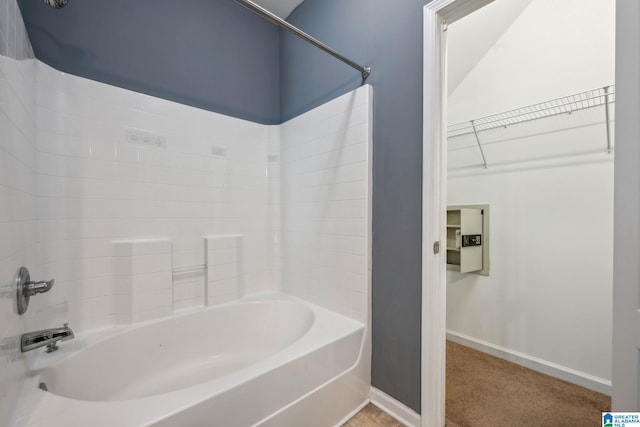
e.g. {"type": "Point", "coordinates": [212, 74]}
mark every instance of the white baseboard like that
{"type": "Point", "coordinates": [553, 369]}
{"type": "Point", "coordinates": [397, 410]}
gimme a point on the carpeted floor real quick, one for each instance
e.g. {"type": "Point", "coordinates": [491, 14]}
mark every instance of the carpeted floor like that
{"type": "Point", "coordinates": [484, 391]}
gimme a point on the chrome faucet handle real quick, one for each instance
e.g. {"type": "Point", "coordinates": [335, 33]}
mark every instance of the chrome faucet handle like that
{"type": "Point", "coordinates": [25, 288]}
{"type": "Point", "coordinates": [32, 288]}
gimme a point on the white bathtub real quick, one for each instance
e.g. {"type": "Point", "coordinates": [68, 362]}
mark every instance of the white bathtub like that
{"type": "Point", "coordinates": [272, 361]}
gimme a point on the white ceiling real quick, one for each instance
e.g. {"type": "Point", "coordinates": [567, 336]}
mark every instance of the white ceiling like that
{"type": "Point", "coordinates": [282, 8]}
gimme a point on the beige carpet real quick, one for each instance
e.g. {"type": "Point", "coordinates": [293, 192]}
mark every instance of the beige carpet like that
{"type": "Point", "coordinates": [484, 391]}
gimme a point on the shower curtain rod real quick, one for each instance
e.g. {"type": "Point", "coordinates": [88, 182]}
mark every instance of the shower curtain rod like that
{"type": "Point", "coordinates": [365, 71]}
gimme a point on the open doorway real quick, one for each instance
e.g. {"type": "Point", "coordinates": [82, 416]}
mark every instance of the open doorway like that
{"type": "Point", "coordinates": [530, 147]}
{"type": "Point", "coordinates": [541, 302]}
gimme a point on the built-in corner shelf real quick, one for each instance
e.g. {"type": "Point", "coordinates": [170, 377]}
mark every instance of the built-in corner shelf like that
{"type": "Point", "coordinates": [465, 239]}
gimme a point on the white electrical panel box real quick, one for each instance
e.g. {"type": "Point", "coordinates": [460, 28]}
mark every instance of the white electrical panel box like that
{"type": "Point", "coordinates": [465, 239]}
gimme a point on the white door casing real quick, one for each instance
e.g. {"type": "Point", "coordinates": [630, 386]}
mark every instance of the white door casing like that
{"type": "Point", "coordinates": [626, 288]}
{"type": "Point", "coordinates": [626, 236]}
{"type": "Point", "coordinates": [433, 223]}
{"type": "Point", "coordinates": [434, 203]}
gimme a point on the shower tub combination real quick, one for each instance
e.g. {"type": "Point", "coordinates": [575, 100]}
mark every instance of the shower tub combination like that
{"type": "Point", "coordinates": [269, 360]}
{"type": "Point", "coordinates": [272, 360]}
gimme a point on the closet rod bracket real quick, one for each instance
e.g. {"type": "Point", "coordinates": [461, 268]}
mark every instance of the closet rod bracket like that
{"type": "Point", "coordinates": [475, 132]}
{"type": "Point", "coordinates": [607, 95]}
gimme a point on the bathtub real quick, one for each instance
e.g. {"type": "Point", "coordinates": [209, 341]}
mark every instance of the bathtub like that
{"type": "Point", "coordinates": [271, 360]}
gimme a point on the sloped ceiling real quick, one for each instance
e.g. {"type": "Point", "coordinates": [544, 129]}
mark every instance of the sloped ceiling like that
{"type": "Point", "coordinates": [469, 39]}
{"type": "Point", "coordinates": [282, 8]}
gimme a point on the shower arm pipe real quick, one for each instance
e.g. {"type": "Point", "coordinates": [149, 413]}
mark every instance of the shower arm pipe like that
{"type": "Point", "coordinates": [365, 71]}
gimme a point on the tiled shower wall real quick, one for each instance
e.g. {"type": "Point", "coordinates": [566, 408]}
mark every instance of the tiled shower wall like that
{"type": "Point", "coordinates": [294, 199]}
{"type": "Point", "coordinates": [17, 192]}
{"type": "Point", "coordinates": [325, 203]}
{"type": "Point", "coordinates": [96, 185]}
{"type": "Point", "coordinates": [132, 230]}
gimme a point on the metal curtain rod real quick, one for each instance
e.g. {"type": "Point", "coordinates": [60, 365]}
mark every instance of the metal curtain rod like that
{"type": "Point", "coordinates": [365, 71]}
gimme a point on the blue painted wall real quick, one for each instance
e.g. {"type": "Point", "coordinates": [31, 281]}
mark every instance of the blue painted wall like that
{"type": "Point", "coordinates": [388, 36]}
{"type": "Point", "coordinates": [210, 54]}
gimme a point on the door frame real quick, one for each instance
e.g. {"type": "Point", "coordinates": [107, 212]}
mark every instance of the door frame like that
{"type": "Point", "coordinates": [437, 15]}
{"type": "Point", "coordinates": [626, 283]}
{"type": "Point", "coordinates": [626, 224]}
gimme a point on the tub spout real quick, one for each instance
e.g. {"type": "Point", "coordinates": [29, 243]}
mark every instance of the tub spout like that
{"type": "Point", "coordinates": [45, 337]}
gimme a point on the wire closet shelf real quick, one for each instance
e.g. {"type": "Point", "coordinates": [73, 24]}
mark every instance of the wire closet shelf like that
{"type": "Point", "coordinates": [564, 105]}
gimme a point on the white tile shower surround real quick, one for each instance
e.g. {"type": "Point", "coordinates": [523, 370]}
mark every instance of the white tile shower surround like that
{"type": "Point", "coordinates": [17, 192]}
{"type": "Point", "coordinates": [94, 188]}
{"type": "Point", "coordinates": [224, 262]}
{"type": "Point", "coordinates": [325, 226]}
{"type": "Point", "coordinates": [111, 221]}
{"type": "Point", "coordinates": [145, 269]}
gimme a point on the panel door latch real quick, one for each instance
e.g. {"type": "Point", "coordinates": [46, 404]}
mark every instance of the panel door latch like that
{"type": "Point", "coordinates": [436, 247]}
